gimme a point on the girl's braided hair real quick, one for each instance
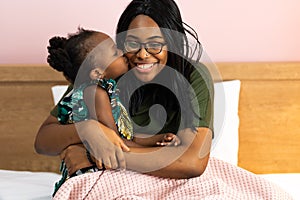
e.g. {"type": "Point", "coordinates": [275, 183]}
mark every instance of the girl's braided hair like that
{"type": "Point", "coordinates": [66, 54]}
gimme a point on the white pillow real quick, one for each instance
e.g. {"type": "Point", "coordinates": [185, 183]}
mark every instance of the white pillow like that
{"type": "Point", "coordinates": [57, 92]}
{"type": "Point", "coordinates": [226, 121]}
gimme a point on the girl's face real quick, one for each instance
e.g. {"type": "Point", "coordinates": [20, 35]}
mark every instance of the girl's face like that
{"type": "Point", "coordinates": [110, 61]}
{"type": "Point", "coordinates": [118, 65]}
{"type": "Point", "coordinates": [144, 31]}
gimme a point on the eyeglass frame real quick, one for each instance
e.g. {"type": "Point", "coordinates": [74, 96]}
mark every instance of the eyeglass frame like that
{"type": "Point", "coordinates": [143, 45]}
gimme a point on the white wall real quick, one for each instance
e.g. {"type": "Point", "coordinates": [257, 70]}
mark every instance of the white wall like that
{"type": "Point", "coordinates": [230, 30]}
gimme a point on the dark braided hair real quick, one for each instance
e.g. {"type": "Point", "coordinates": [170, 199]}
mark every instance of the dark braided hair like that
{"type": "Point", "coordinates": [67, 54]}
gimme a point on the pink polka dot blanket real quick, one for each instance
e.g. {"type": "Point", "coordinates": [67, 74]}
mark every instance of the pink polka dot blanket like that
{"type": "Point", "coordinates": [220, 180]}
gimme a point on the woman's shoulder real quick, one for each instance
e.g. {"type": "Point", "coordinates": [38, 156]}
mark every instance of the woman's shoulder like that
{"type": "Point", "coordinates": [200, 73]}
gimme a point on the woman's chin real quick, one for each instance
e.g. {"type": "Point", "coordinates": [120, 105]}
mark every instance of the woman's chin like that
{"type": "Point", "coordinates": [144, 77]}
{"type": "Point", "coordinates": [147, 75]}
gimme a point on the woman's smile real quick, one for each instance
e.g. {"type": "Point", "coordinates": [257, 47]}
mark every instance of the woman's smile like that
{"type": "Point", "coordinates": [144, 68]}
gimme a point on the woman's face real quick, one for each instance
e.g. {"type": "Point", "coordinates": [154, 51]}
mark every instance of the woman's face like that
{"type": "Point", "coordinates": [145, 65]}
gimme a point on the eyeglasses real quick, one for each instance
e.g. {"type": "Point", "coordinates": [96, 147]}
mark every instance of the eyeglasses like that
{"type": "Point", "coordinates": [151, 47]}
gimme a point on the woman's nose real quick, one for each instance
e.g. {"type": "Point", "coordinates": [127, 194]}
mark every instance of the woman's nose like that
{"type": "Point", "coordinates": [142, 53]}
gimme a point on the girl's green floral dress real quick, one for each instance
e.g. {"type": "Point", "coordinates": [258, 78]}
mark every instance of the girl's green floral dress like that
{"type": "Point", "coordinates": [72, 109]}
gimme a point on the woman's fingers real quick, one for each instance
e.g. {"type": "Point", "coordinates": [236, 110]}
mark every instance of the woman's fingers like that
{"type": "Point", "coordinates": [114, 162]}
{"type": "Point", "coordinates": [107, 163]}
{"type": "Point", "coordinates": [124, 147]}
{"type": "Point", "coordinates": [99, 163]}
{"type": "Point", "coordinates": [120, 158]}
{"type": "Point", "coordinates": [104, 144]}
{"type": "Point", "coordinates": [113, 159]}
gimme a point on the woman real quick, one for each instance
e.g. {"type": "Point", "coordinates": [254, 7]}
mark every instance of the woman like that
{"type": "Point", "coordinates": [155, 41]}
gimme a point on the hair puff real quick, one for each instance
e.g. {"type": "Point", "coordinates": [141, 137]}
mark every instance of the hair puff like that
{"type": "Point", "coordinates": [58, 58]}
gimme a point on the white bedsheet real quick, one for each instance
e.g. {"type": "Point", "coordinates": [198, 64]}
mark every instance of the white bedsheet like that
{"type": "Point", "coordinates": [24, 185]}
{"type": "Point", "coordinates": [290, 182]}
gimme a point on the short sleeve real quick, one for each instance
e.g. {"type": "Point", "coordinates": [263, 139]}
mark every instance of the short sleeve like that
{"type": "Point", "coordinates": [202, 95]}
{"type": "Point", "coordinates": [54, 111]}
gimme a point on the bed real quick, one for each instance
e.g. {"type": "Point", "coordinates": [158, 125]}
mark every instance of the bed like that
{"type": "Point", "coordinates": [260, 134]}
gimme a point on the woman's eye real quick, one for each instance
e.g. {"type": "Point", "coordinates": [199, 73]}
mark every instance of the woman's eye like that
{"type": "Point", "coordinates": [133, 44]}
{"type": "Point", "coordinates": [154, 45]}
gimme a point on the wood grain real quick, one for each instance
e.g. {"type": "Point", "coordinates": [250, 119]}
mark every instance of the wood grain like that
{"type": "Point", "coordinates": [269, 111]}
{"type": "Point", "coordinates": [25, 101]}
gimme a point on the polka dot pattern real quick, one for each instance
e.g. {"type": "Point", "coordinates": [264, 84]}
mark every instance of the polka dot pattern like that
{"type": "Point", "coordinates": [220, 180]}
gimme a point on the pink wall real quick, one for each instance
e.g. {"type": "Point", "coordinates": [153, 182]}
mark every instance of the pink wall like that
{"type": "Point", "coordinates": [231, 30]}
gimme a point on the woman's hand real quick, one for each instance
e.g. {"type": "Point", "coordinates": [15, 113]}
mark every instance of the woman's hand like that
{"type": "Point", "coordinates": [103, 143]}
{"type": "Point", "coordinates": [75, 158]}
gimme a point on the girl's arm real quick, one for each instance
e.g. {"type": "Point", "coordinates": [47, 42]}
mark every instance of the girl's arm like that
{"type": "Point", "coordinates": [98, 103]}
{"type": "Point", "coordinates": [148, 140]}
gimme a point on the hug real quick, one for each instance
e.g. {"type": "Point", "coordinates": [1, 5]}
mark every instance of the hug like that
{"type": "Point", "coordinates": [138, 114]}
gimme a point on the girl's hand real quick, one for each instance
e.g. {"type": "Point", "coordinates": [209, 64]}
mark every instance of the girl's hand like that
{"type": "Point", "coordinates": [169, 139]}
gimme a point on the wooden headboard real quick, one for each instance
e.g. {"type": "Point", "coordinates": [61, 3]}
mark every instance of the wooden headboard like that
{"type": "Point", "coordinates": [269, 111]}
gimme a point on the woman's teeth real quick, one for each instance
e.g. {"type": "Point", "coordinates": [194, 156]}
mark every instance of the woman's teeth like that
{"type": "Point", "coordinates": [145, 66]}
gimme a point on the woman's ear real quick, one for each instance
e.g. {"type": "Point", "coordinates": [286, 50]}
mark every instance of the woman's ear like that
{"type": "Point", "coordinates": [96, 74]}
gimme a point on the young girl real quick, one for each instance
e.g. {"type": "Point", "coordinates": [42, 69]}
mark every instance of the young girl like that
{"type": "Point", "coordinates": [90, 61]}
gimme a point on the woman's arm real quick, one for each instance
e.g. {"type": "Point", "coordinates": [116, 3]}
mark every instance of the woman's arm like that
{"type": "Point", "coordinates": [185, 161]}
{"type": "Point", "coordinates": [52, 137]}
